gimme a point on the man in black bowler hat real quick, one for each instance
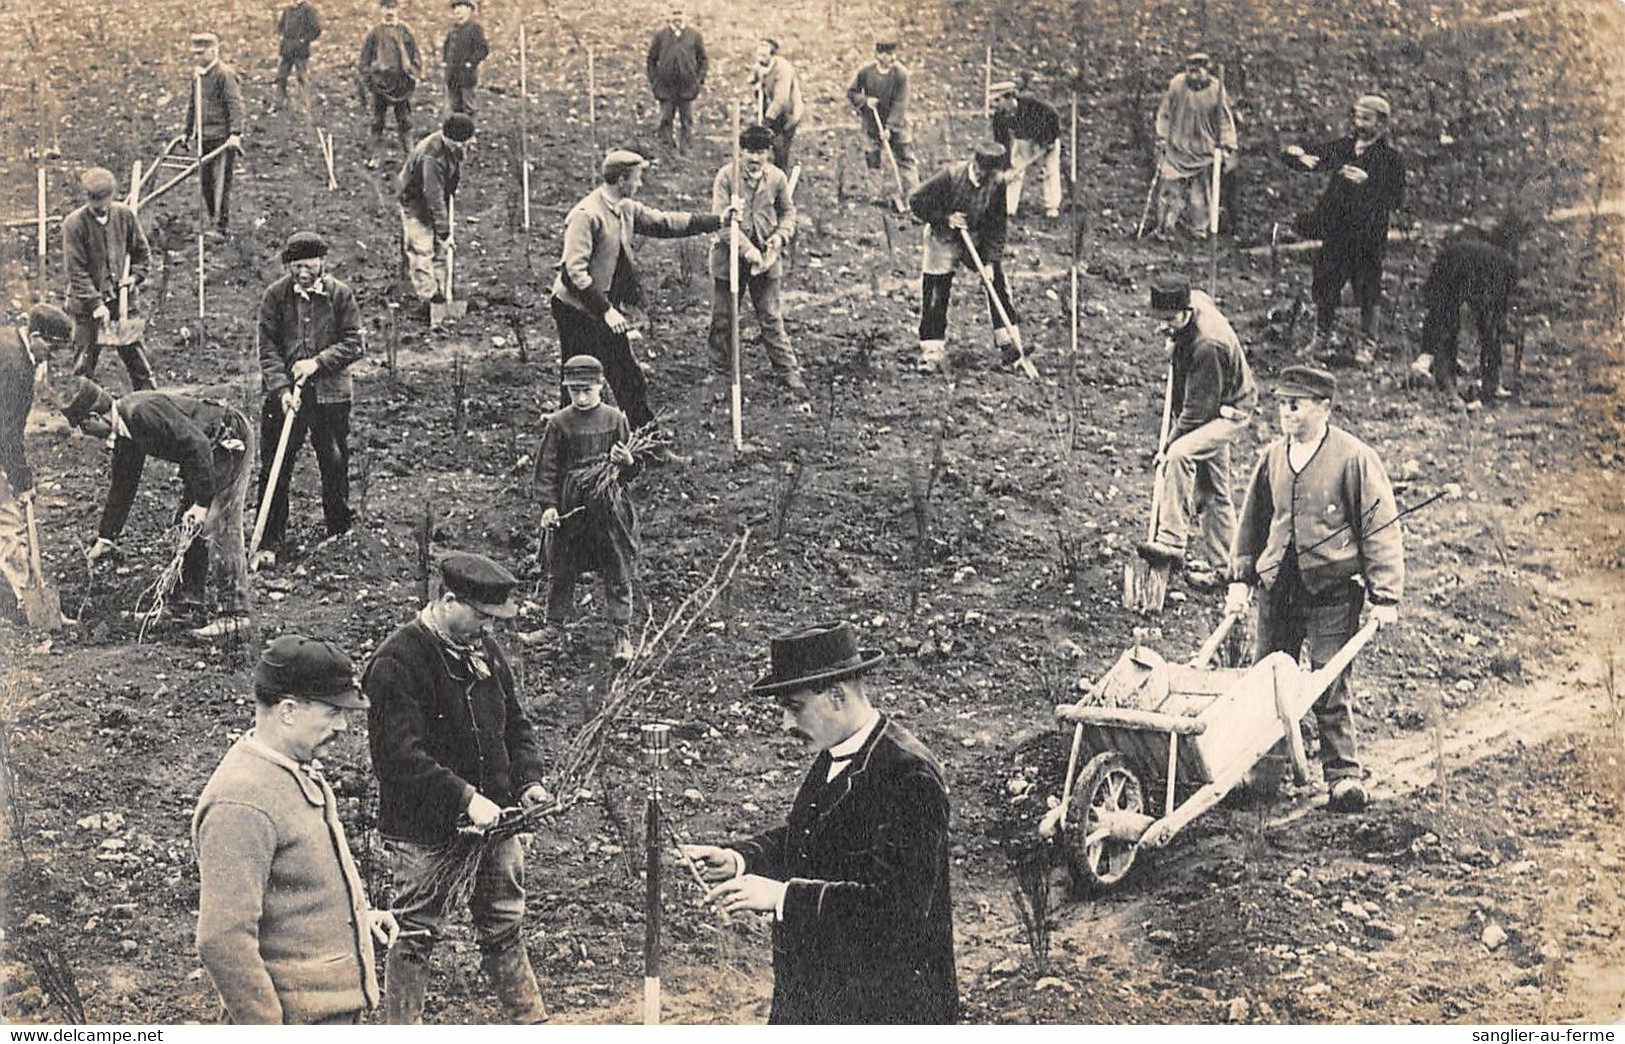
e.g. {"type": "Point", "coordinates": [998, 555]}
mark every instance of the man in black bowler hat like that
{"type": "Point", "coordinates": [857, 881]}
{"type": "Point", "coordinates": [452, 749]}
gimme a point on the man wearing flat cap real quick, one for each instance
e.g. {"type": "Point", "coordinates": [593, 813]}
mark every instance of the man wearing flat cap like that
{"type": "Point", "coordinates": [856, 882]}
{"type": "Point", "coordinates": [597, 277]}
{"type": "Point", "coordinates": [212, 443]}
{"type": "Point", "coordinates": [452, 748]}
{"type": "Point", "coordinates": [1029, 128]}
{"type": "Point", "coordinates": [221, 124]}
{"type": "Point", "coordinates": [1351, 221]}
{"type": "Point", "coordinates": [1193, 119]}
{"type": "Point", "coordinates": [968, 195]}
{"type": "Point", "coordinates": [299, 25]}
{"type": "Point", "coordinates": [777, 85]}
{"type": "Point", "coordinates": [676, 67]}
{"type": "Point", "coordinates": [1212, 401]}
{"type": "Point", "coordinates": [284, 926]}
{"type": "Point", "coordinates": [107, 252]}
{"type": "Point", "coordinates": [464, 49]}
{"type": "Point", "coordinates": [310, 336]}
{"type": "Point", "coordinates": [389, 67]}
{"type": "Point", "coordinates": [428, 179]}
{"type": "Point", "coordinates": [24, 350]}
{"type": "Point", "coordinates": [878, 93]}
{"type": "Point", "coordinates": [1320, 535]}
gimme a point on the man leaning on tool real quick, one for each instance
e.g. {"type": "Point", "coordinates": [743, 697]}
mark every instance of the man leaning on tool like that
{"type": "Point", "coordinates": [223, 122]}
{"type": "Point", "coordinates": [451, 746]}
{"type": "Point", "coordinates": [97, 239]}
{"type": "Point", "coordinates": [284, 926]}
{"type": "Point", "coordinates": [1320, 535]}
{"type": "Point", "coordinates": [857, 881]}
{"type": "Point", "coordinates": [428, 180]}
{"type": "Point", "coordinates": [879, 90]}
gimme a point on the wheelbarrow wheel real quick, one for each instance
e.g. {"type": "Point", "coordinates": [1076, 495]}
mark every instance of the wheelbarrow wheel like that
{"type": "Point", "coordinates": [1107, 784]}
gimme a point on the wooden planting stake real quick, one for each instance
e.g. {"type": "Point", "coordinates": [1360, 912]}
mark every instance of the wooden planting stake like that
{"type": "Point", "coordinates": [391, 339]}
{"type": "Point", "coordinates": [987, 83]}
{"type": "Point", "coordinates": [592, 99]}
{"type": "Point", "coordinates": [40, 244]}
{"type": "Point", "coordinates": [524, 128]}
{"type": "Point", "coordinates": [425, 539]}
{"type": "Point", "coordinates": [202, 205]}
{"type": "Point", "coordinates": [1077, 245]}
{"type": "Point", "coordinates": [733, 295]}
{"type": "Point", "coordinates": [459, 391]}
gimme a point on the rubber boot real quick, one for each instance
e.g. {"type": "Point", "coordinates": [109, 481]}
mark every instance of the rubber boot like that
{"type": "Point", "coordinates": [515, 984]}
{"type": "Point", "coordinates": [404, 980]}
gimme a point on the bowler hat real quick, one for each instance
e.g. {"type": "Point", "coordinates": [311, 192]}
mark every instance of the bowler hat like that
{"type": "Point", "coordinates": [304, 246]}
{"type": "Point", "coordinates": [49, 322]}
{"type": "Point", "coordinates": [582, 369]}
{"type": "Point", "coordinates": [756, 138]}
{"type": "Point", "coordinates": [88, 398]}
{"type": "Point", "coordinates": [204, 40]}
{"type": "Point", "coordinates": [458, 127]}
{"type": "Point", "coordinates": [618, 162]}
{"type": "Point", "coordinates": [480, 582]}
{"type": "Point", "coordinates": [98, 183]}
{"type": "Point", "coordinates": [885, 47]}
{"type": "Point", "coordinates": [310, 669]}
{"type": "Point", "coordinates": [1197, 58]}
{"type": "Point", "coordinates": [1000, 88]}
{"type": "Point", "coordinates": [813, 657]}
{"type": "Point", "coordinates": [1306, 382]}
{"type": "Point", "coordinates": [1375, 103]}
{"type": "Point", "coordinates": [1171, 293]}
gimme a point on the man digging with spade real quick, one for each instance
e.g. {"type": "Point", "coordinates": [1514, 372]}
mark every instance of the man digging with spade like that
{"type": "Point", "coordinates": [879, 93]}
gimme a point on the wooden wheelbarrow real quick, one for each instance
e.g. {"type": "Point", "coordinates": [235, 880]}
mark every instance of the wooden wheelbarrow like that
{"type": "Point", "coordinates": [1198, 731]}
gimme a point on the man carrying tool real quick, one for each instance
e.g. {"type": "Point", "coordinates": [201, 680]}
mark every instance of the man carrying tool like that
{"type": "Point", "coordinates": [597, 278]}
{"type": "Point", "coordinates": [223, 122]}
{"type": "Point", "coordinates": [1193, 120]}
{"type": "Point", "coordinates": [777, 86]}
{"type": "Point", "coordinates": [389, 67]}
{"type": "Point", "coordinates": [1320, 534]}
{"type": "Point", "coordinates": [429, 178]}
{"type": "Point", "coordinates": [299, 25]}
{"type": "Point", "coordinates": [879, 93]}
{"type": "Point", "coordinates": [212, 442]}
{"type": "Point", "coordinates": [677, 66]}
{"type": "Point", "coordinates": [1351, 221]}
{"type": "Point", "coordinates": [453, 750]}
{"type": "Point", "coordinates": [766, 223]}
{"type": "Point", "coordinates": [1030, 130]}
{"type": "Point", "coordinates": [284, 927]}
{"type": "Point", "coordinates": [465, 48]}
{"type": "Point", "coordinates": [964, 198]}
{"type": "Point", "coordinates": [310, 336]}
{"type": "Point", "coordinates": [1213, 397]}
{"type": "Point", "coordinates": [24, 349]}
{"type": "Point", "coordinates": [857, 881]}
{"type": "Point", "coordinates": [107, 258]}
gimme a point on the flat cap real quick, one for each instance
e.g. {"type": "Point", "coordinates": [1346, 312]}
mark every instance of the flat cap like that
{"type": "Point", "coordinates": [462, 3]}
{"type": "Point", "coordinates": [88, 398]}
{"type": "Point", "coordinates": [50, 322]}
{"type": "Point", "coordinates": [458, 127]}
{"type": "Point", "coordinates": [389, 3]}
{"type": "Point", "coordinates": [1200, 58]}
{"type": "Point", "coordinates": [885, 47]}
{"type": "Point", "coordinates": [304, 246]}
{"type": "Point", "coordinates": [989, 155]}
{"type": "Point", "coordinates": [1374, 103]}
{"type": "Point", "coordinates": [204, 40]}
{"type": "Point", "coordinates": [310, 669]}
{"type": "Point", "coordinates": [583, 368]}
{"type": "Point", "coordinates": [1000, 88]}
{"type": "Point", "coordinates": [1170, 293]}
{"type": "Point", "coordinates": [480, 582]}
{"type": "Point", "coordinates": [619, 161]}
{"type": "Point", "coordinates": [98, 183]}
{"type": "Point", "coordinates": [756, 138]}
{"type": "Point", "coordinates": [1306, 382]}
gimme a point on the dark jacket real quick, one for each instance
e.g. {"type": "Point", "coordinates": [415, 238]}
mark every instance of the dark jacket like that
{"type": "Point", "coordinates": [1350, 213]}
{"type": "Point", "coordinates": [176, 428]}
{"type": "Point", "coordinates": [388, 52]}
{"type": "Point", "coordinates": [1035, 121]}
{"type": "Point", "coordinates": [223, 112]}
{"type": "Point", "coordinates": [438, 735]}
{"type": "Point", "coordinates": [867, 934]}
{"type": "Point", "coordinates": [328, 330]}
{"type": "Point", "coordinates": [950, 192]}
{"type": "Point", "coordinates": [16, 397]}
{"type": "Point", "coordinates": [465, 48]}
{"type": "Point", "coordinates": [299, 25]}
{"type": "Point", "coordinates": [96, 253]}
{"type": "Point", "coordinates": [1210, 369]}
{"type": "Point", "coordinates": [677, 64]}
{"type": "Point", "coordinates": [429, 178]}
{"type": "Point", "coordinates": [890, 91]}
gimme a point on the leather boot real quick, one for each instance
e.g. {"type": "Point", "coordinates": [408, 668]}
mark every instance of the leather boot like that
{"type": "Point", "coordinates": [515, 984]}
{"type": "Point", "coordinates": [404, 979]}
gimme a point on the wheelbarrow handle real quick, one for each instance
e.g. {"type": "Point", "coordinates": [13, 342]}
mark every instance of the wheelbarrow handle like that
{"type": "Point", "coordinates": [1321, 679]}
{"type": "Point", "coordinates": [1216, 639]}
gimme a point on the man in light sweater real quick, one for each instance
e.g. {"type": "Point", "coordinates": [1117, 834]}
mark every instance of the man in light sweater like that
{"type": "Point", "coordinates": [284, 927]}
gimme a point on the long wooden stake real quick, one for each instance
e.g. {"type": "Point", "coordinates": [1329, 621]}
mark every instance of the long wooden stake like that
{"type": "Point", "coordinates": [733, 297]}
{"type": "Point", "coordinates": [592, 99]}
{"type": "Point", "coordinates": [1213, 226]}
{"type": "Point", "coordinates": [987, 83]}
{"type": "Point", "coordinates": [524, 127]}
{"type": "Point", "coordinates": [40, 245]}
{"type": "Point", "coordinates": [1077, 247]}
{"type": "Point", "coordinates": [202, 204]}
{"type": "Point", "coordinates": [656, 742]}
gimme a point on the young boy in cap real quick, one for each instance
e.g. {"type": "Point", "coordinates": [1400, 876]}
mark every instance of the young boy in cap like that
{"type": "Point", "coordinates": [879, 94]}
{"type": "Point", "coordinates": [428, 179]}
{"type": "Point", "coordinates": [1193, 119]}
{"type": "Point", "coordinates": [222, 123]}
{"type": "Point", "coordinates": [465, 48]}
{"type": "Point", "coordinates": [965, 196]}
{"type": "Point", "coordinates": [452, 748]}
{"type": "Point", "coordinates": [213, 443]}
{"type": "Point", "coordinates": [1351, 221]}
{"type": "Point", "coordinates": [389, 67]}
{"type": "Point", "coordinates": [310, 336]}
{"type": "Point", "coordinates": [300, 25]}
{"type": "Point", "coordinates": [856, 882]}
{"type": "Point", "coordinates": [766, 223]}
{"type": "Point", "coordinates": [1213, 402]}
{"type": "Point", "coordinates": [284, 927]}
{"type": "Point", "coordinates": [778, 98]}
{"type": "Point", "coordinates": [98, 239]}
{"type": "Point", "coordinates": [588, 530]}
{"type": "Point", "coordinates": [1320, 534]}
{"type": "Point", "coordinates": [1030, 130]}
{"type": "Point", "coordinates": [676, 67]}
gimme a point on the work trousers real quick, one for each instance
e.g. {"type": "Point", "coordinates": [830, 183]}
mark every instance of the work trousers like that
{"type": "Point", "coordinates": [425, 257]}
{"type": "Point", "coordinates": [1173, 194]}
{"type": "Point", "coordinates": [220, 541]}
{"type": "Point", "coordinates": [784, 138]}
{"type": "Point", "coordinates": [763, 291]}
{"type": "Point", "coordinates": [1441, 332]}
{"type": "Point", "coordinates": [87, 353]}
{"type": "Point", "coordinates": [328, 426]}
{"type": "Point", "coordinates": [1196, 481]}
{"type": "Point", "coordinates": [583, 334]}
{"type": "Point", "coordinates": [1024, 154]}
{"type": "Point", "coordinates": [382, 104]}
{"type": "Point", "coordinates": [460, 98]}
{"type": "Point", "coordinates": [290, 64]}
{"type": "Point", "coordinates": [1339, 262]}
{"type": "Point", "coordinates": [496, 909]}
{"type": "Point", "coordinates": [902, 151]}
{"type": "Point", "coordinates": [937, 288]}
{"type": "Point", "coordinates": [216, 179]}
{"type": "Point", "coordinates": [682, 110]}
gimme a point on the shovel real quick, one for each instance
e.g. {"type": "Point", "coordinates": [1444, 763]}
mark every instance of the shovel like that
{"type": "Point", "coordinates": [450, 308]}
{"type": "Point", "coordinates": [897, 173]}
{"type": "Point", "coordinates": [986, 273]}
{"type": "Point", "coordinates": [40, 603]}
{"type": "Point", "coordinates": [125, 330]}
{"type": "Point", "coordinates": [1145, 584]}
{"type": "Point", "coordinates": [264, 515]}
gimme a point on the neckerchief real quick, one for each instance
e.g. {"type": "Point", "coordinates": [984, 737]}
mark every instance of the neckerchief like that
{"type": "Point", "coordinates": [319, 287]}
{"type": "Point", "coordinates": [471, 657]}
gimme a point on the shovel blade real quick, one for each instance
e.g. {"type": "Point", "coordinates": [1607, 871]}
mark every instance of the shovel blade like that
{"type": "Point", "coordinates": [41, 607]}
{"type": "Point", "coordinates": [120, 332]}
{"type": "Point", "coordinates": [439, 313]}
{"type": "Point", "coordinates": [1145, 586]}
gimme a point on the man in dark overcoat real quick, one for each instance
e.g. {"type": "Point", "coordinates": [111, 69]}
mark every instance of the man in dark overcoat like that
{"type": "Point", "coordinates": [677, 65]}
{"type": "Point", "coordinates": [857, 881]}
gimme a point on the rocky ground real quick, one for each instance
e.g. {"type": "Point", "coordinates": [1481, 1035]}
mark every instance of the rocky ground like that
{"type": "Point", "coordinates": [975, 529]}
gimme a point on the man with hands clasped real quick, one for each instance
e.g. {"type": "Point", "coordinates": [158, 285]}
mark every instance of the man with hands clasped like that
{"type": "Point", "coordinates": [857, 880]}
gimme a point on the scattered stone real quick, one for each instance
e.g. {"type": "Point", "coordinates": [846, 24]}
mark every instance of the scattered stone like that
{"type": "Point", "coordinates": [127, 946]}
{"type": "Point", "coordinates": [1354, 910]}
{"type": "Point", "coordinates": [1383, 930]}
{"type": "Point", "coordinates": [1235, 1010]}
{"type": "Point", "coordinates": [1006, 968]}
{"type": "Point", "coordinates": [1316, 990]}
{"type": "Point", "coordinates": [693, 795]}
{"type": "Point", "coordinates": [1494, 937]}
{"type": "Point", "coordinates": [1050, 982]}
{"type": "Point", "coordinates": [1162, 937]}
